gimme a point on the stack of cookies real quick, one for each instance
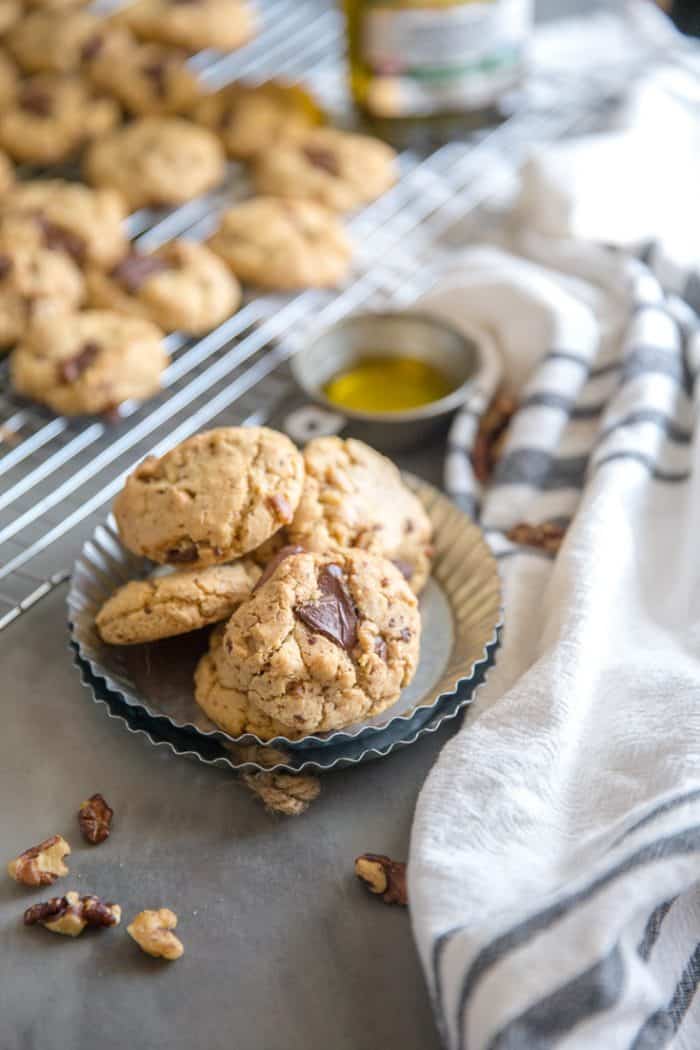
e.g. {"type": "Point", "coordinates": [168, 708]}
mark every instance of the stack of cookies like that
{"type": "Point", "coordinates": [309, 565]}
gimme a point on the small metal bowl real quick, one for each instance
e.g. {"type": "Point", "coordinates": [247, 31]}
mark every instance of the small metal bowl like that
{"type": "Point", "coordinates": [400, 334]}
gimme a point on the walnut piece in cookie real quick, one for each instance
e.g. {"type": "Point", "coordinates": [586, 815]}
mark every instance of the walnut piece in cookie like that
{"type": "Point", "coordinates": [95, 819]}
{"type": "Point", "coordinates": [152, 931]}
{"type": "Point", "coordinates": [182, 286]}
{"type": "Point", "coordinates": [88, 363]}
{"type": "Point", "coordinates": [70, 914]}
{"type": "Point", "coordinates": [212, 498]}
{"type": "Point", "coordinates": [335, 168]}
{"type": "Point", "coordinates": [384, 876]}
{"type": "Point", "coordinates": [355, 497]}
{"type": "Point", "coordinates": [40, 865]}
{"type": "Point", "coordinates": [328, 640]}
{"type": "Point", "coordinates": [283, 243]}
{"type": "Point", "coordinates": [176, 603]}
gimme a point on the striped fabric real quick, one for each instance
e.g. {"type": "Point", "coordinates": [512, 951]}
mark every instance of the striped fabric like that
{"type": "Point", "coordinates": [555, 854]}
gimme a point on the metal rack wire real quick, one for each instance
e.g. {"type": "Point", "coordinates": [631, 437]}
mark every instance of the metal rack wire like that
{"type": "Point", "coordinates": [58, 475]}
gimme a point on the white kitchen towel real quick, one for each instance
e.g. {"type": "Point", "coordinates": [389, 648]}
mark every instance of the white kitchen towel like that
{"type": "Point", "coordinates": [555, 853]}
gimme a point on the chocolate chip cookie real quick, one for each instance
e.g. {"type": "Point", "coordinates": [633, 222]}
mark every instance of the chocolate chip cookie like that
{"type": "Point", "coordinates": [354, 497]}
{"type": "Point", "coordinates": [148, 79]}
{"type": "Point", "coordinates": [9, 79]}
{"type": "Point", "coordinates": [87, 363]}
{"type": "Point", "coordinates": [328, 640]}
{"type": "Point", "coordinates": [179, 602]}
{"type": "Point", "coordinates": [87, 224]}
{"type": "Point", "coordinates": [54, 41]}
{"type": "Point", "coordinates": [191, 24]}
{"type": "Point", "coordinates": [250, 119]}
{"type": "Point", "coordinates": [156, 161]}
{"type": "Point", "coordinates": [34, 283]}
{"type": "Point", "coordinates": [10, 13]}
{"type": "Point", "coordinates": [228, 708]}
{"type": "Point", "coordinates": [52, 116]}
{"type": "Point", "coordinates": [7, 173]}
{"type": "Point", "coordinates": [278, 242]}
{"type": "Point", "coordinates": [181, 286]}
{"type": "Point", "coordinates": [334, 168]}
{"type": "Point", "coordinates": [212, 498]}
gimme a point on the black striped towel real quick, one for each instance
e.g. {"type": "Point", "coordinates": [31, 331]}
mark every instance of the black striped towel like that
{"type": "Point", "coordinates": [555, 855]}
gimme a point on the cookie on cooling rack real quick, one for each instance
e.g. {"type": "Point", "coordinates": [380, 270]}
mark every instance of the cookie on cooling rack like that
{"type": "Point", "coordinates": [85, 223]}
{"type": "Point", "coordinates": [148, 79]}
{"type": "Point", "coordinates": [34, 282]}
{"type": "Point", "coordinates": [250, 119]}
{"type": "Point", "coordinates": [335, 168]}
{"type": "Point", "coordinates": [52, 116]}
{"type": "Point", "coordinates": [89, 362]}
{"type": "Point", "coordinates": [355, 497]}
{"type": "Point", "coordinates": [9, 79]}
{"type": "Point", "coordinates": [219, 24]}
{"type": "Point", "coordinates": [182, 286]}
{"type": "Point", "coordinates": [156, 161]}
{"type": "Point", "coordinates": [278, 242]}
{"type": "Point", "coordinates": [56, 41]}
{"type": "Point", "coordinates": [327, 640]}
{"type": "Point", "coordinates": [179, 602]}
{"type": "Point", "coordinates": [7, 173]}
{"type": "Point", "coordinates": [214, 497]}
{"type": "Point", "coordinates": [228, 708]}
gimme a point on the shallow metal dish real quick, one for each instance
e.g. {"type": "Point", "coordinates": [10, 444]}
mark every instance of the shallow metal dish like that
{"type": "Point", "coordinates": [391, 334]}
{"type": "Point", "coordinates": [461, 609]}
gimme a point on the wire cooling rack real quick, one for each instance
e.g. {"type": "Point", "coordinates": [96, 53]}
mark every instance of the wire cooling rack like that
{"type": "Point", "coordinates": [58, 475]}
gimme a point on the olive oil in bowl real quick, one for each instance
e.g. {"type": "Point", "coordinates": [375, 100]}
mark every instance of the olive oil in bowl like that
{"type": "Point", "coordinates": [388, 384]}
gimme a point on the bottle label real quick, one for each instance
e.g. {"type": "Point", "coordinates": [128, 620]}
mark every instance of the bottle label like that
{"type": "Point", "coordinates": [423, 60]}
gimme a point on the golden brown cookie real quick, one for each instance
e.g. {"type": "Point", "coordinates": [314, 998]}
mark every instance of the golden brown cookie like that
{"type": "Point", "coordinates": [34, 283]}
{"type": "Point", "coordinates": [148, 79]}
{"type": "Point", "coordinates": [156, 161]}
{"type": "Point", "coordinates": [52, 116]}
{"type": "Point", "coordinates": [191, 24]}
{"type": "Point", "coordinates": [250, 119]}
{"type": "Point", "coordinates": [182, 286]}
{"type": "Point", "coordinates": [335, 168]}
{"type": "Point", "coordinates": [354, 497]}
{"type": "Point", "coordinates": [212, 498]}
{"type": "Point", "coordinates": [176, 603]}
{"type": "Point", "coordinates": [229, 708]}
{"type": "Point", "coordinates": [87, 224]}
{"type": "Point", "coordinates": [9, 79]}
{"type": "Point", "coordinates": [87, 363]}
{"type": "Point", "coordinates": [54, 41]}
{"type": "Point", "coordinates": [327, 640]}
{"type": "Point", "coordinates": [278, 242]}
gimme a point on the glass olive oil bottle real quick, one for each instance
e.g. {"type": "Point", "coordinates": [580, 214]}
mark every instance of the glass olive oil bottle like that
{"type": "Point", "coordinates": [438, 65]}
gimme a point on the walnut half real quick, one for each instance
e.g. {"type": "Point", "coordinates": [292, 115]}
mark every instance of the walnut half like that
{"type": "Point", "coordinates": [382, 875]}
{"type": "Point", "coordinates": [95, 819]}
{"type": "Point", "coordinates": [70, 915]}
{"type": "Point", "coordinates": [40, 865]}
{"type": "Point", "coordinates": [152, 931]}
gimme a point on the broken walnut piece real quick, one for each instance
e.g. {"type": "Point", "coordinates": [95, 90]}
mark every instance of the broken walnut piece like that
{"type": "Point", "coordinates": [41, 865]}
{"type": "Point", "coordinates": [95, 819]}
{"type": "Point", "coordinates": [383, 876]}
{"type": "Point", "coordinates": [287, 793]}
{"type": "Point", "coordinates": [69, 915]}
{"type": "Point", "coordinates": [152, 931]}
{"type": "Point", "coordinates": [491, 435]}
{"type": "Point", "coordinates": [547, 537]}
